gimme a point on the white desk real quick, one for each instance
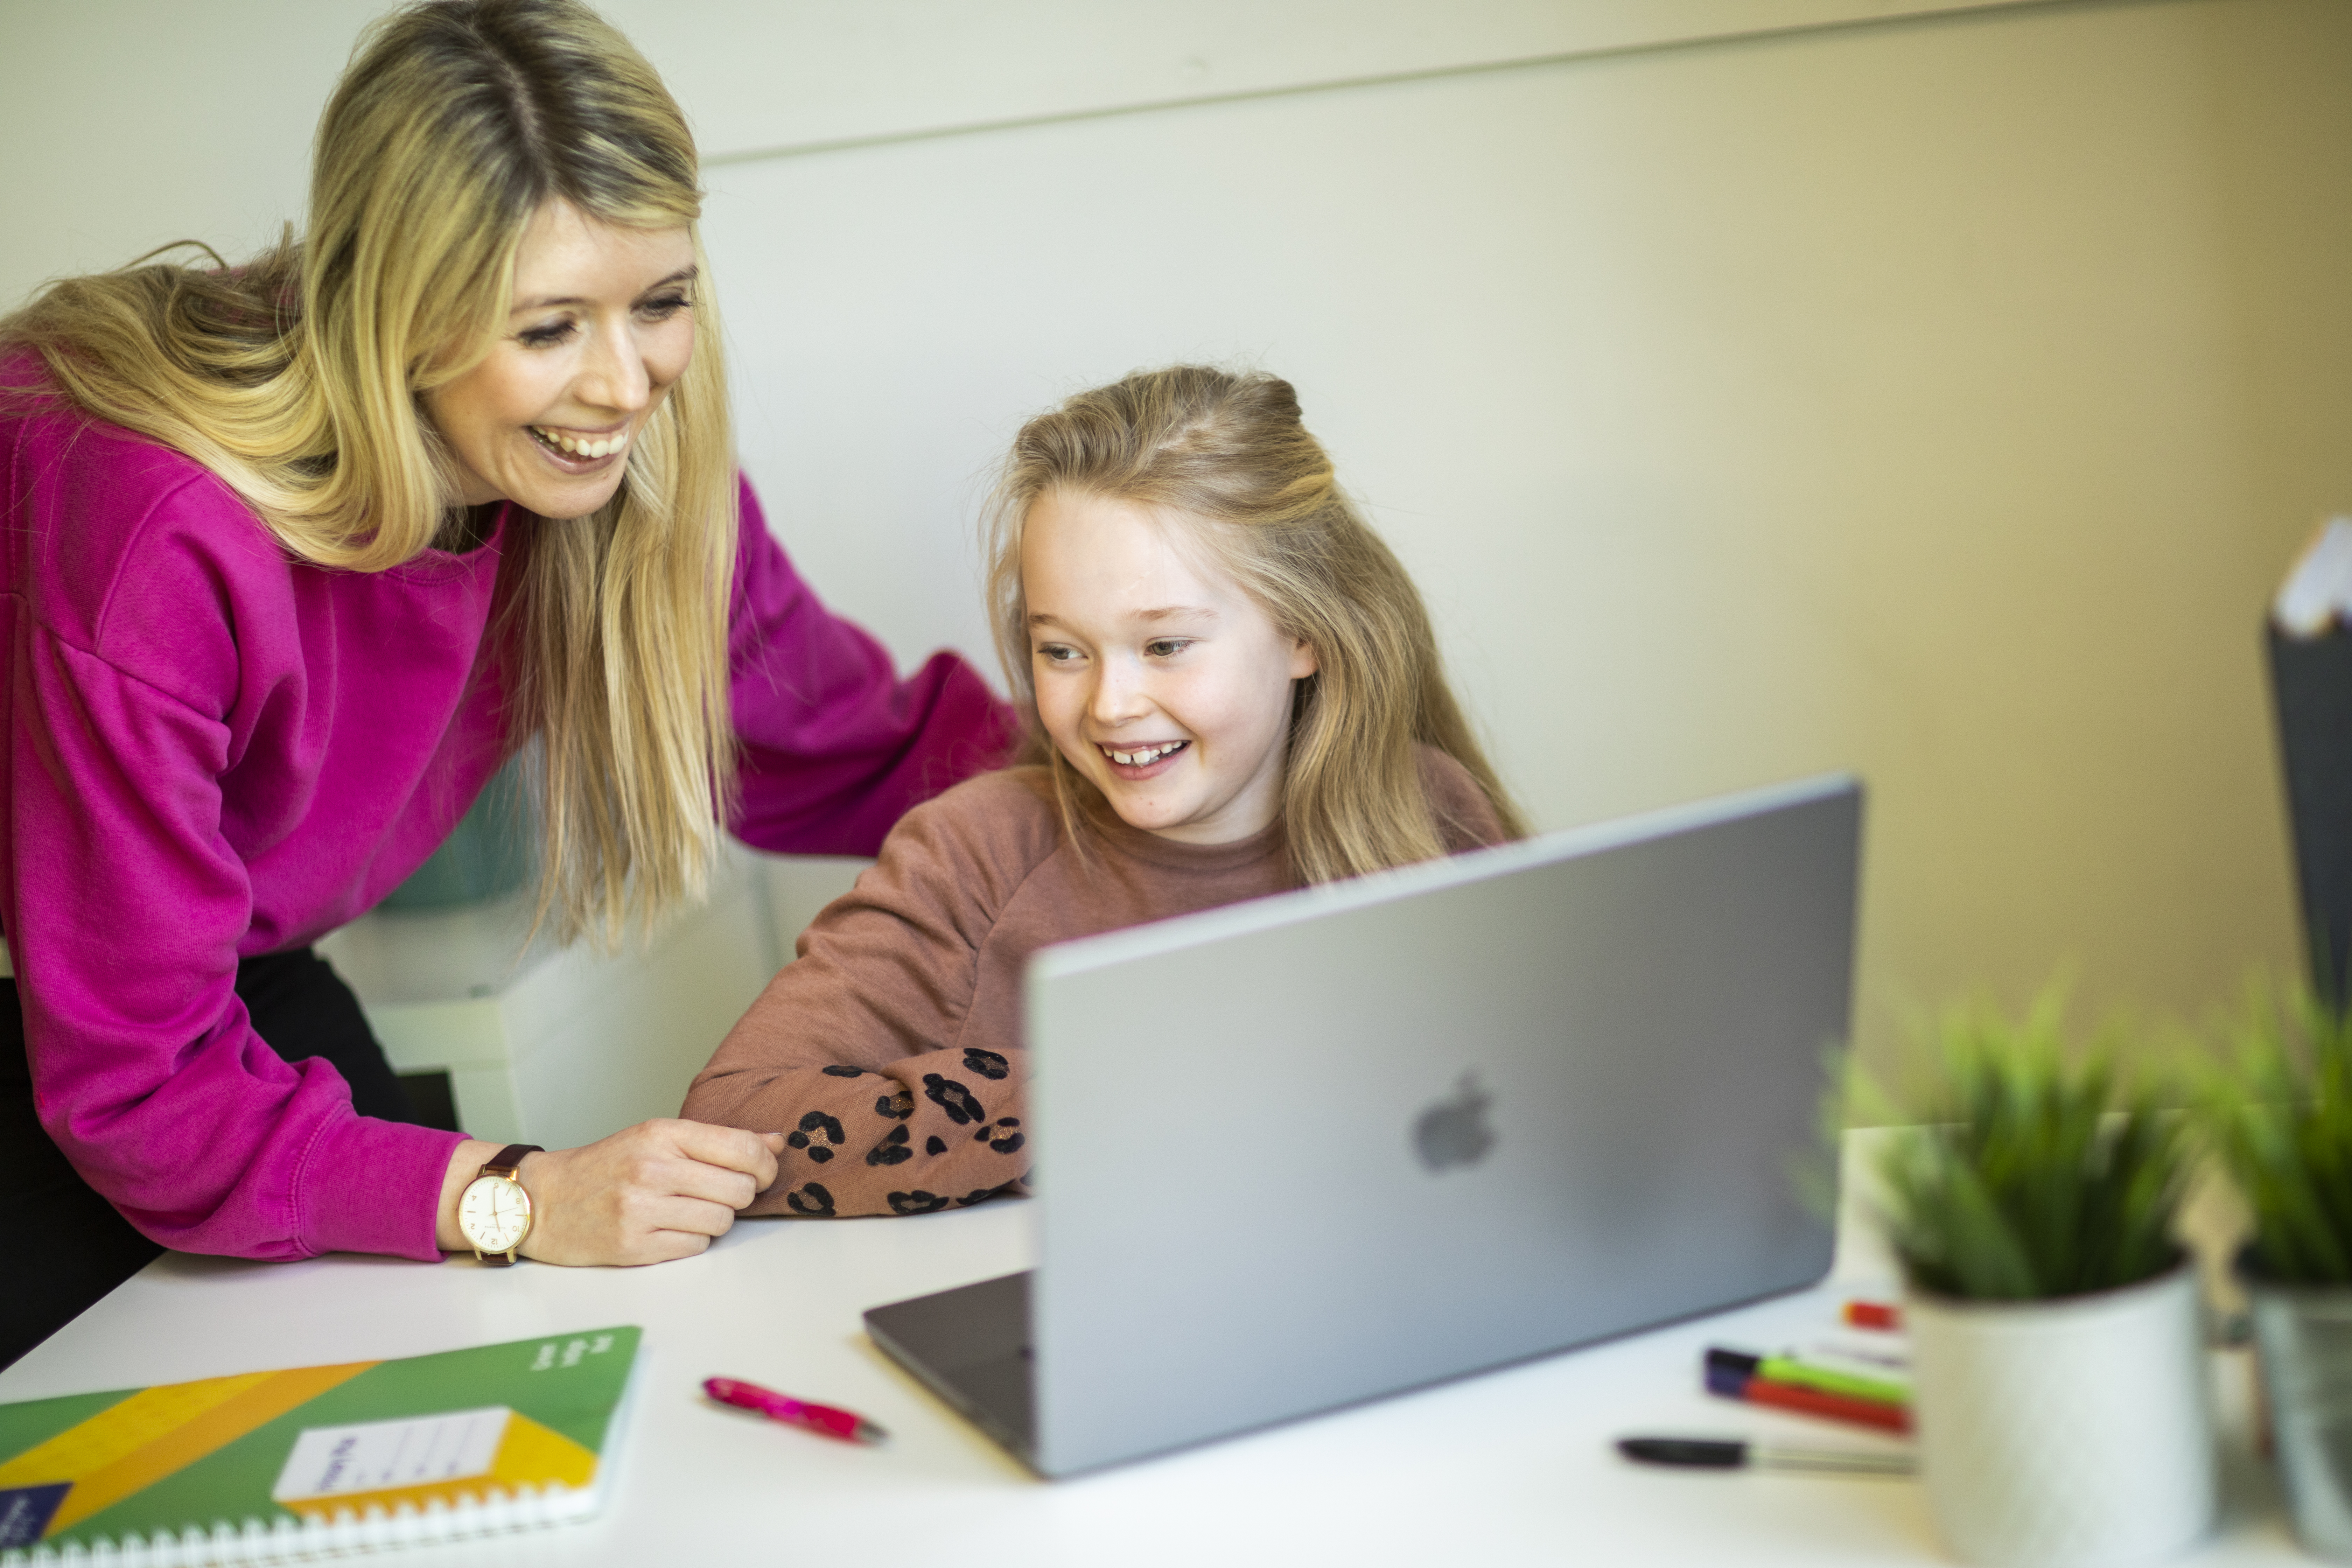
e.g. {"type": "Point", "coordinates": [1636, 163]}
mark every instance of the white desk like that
{"type": "Point", "coordinates": [1506, 1469]}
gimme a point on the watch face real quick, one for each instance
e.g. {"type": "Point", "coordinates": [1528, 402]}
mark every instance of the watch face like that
{"type": "Point", "coordinates": [494, 1213]}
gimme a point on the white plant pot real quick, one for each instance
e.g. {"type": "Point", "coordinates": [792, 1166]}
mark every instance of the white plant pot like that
{"type": "Point", "coordinates": [2305, 1333]}
{"type": "Point", "coordinates": [2073, 1432]}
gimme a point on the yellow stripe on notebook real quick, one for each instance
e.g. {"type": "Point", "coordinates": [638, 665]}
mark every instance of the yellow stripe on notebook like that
{"type": "Point", "coordinates": [121, 1429]}
{"type": "Point", "coordinates": [161, 1430]}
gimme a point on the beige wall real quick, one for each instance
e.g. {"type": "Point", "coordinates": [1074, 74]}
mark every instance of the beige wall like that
{"type": "Point", "coordinates": [1937, 399]}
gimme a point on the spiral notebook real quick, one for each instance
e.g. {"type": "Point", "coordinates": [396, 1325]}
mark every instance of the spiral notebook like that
{"type": "Point", "coordinates": [272, 1466]}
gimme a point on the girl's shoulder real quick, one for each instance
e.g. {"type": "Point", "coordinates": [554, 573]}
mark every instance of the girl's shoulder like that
{"type": "Point", "coordinates": [1466, 817]}
{"type": "Point", "coordinates": [1005, 823]}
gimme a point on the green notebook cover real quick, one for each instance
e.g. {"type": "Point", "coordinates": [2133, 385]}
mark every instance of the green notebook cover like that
{"type": "Point", "coordinates": [290, 1462]}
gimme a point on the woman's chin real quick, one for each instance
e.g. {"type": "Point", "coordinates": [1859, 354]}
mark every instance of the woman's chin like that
{"type": "Point", "coordinates": [567, 496]}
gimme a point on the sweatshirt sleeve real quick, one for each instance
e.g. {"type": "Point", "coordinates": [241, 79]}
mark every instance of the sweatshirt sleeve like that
{"type": "Point", "coordinates": [1466, 819]}
{"type": "Point", "coordinates": [855, 1052]}
{"type": "Point", "coordinates": [125, 905]}
{"type": "Point", "coordinates": [835, 747]}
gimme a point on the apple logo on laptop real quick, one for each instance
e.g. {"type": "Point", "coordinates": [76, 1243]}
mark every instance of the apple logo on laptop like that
{"type": "Point", "coordinates": [1454, 1132]}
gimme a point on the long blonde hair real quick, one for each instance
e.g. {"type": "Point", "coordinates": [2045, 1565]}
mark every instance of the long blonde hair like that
{"type": "Point", "coordinates": [298, 379]}
{"type": "Point", "coordinates": [1228, 453]}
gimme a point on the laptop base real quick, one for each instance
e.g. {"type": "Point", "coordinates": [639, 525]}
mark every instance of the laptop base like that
{"type": "Point", "coordinates": [970, 1347]}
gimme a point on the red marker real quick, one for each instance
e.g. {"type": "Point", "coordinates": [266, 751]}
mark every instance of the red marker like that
{"type": "Point", "coordinates": [1821, 1401]}
{"type": "Point", "coordinates": [832, 1421]}
{"type": "Point", "coordinates": [1873, 1315]}
{"type": "Point", "coordinates": [1735, 1374]}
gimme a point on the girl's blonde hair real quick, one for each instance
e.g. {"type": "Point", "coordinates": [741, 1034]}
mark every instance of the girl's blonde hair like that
{"type": "Point", "coordinates": [1228, 452]}
{"type": "Point", "coordinates": [298, 380]}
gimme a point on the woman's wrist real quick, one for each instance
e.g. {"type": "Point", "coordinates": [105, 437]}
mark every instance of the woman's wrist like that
{"type": "Point", "coordinates": [655, 1190]}
{"type": "Point", "coordinates": [466, 1162]}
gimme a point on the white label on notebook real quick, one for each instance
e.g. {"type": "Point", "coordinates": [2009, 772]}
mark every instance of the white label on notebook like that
{"type": "Point", "coordinates": [334, 1461]}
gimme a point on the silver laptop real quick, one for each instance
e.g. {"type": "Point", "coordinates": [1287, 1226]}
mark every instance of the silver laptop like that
{"type": "Point", "coordinates": [1314, 1149]}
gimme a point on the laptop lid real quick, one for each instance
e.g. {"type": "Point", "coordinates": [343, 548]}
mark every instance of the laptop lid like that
{"type": "Point", "coordinates": [1314, 1149]}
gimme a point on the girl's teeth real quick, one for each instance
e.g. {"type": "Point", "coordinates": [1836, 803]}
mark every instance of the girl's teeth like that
{"type": "Point", "coordinates": [1139, 758]}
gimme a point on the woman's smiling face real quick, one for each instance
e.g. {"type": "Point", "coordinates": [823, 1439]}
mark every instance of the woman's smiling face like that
{"type": "Point", "coordinates": [602, 326]}
{"type": "Point", "coordinates": [1157, 678]}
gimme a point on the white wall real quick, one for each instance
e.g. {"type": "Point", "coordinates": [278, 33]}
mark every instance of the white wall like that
{"type": "Point", "coordinates": [126, 124]}
{"type": "Point", "coordinates": [1936, 398]}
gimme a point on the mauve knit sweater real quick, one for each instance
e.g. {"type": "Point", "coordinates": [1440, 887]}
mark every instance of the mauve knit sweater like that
{"type": "Point", "coordinates": [214, 752]}
{"type": "Point", "coordinates": [889, 1052]}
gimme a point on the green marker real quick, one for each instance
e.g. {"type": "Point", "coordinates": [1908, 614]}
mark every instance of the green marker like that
{"type": "Point", "coordinates": [1786, 1369]}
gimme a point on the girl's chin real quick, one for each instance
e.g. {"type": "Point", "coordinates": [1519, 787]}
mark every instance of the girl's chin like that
{"type": "Point", "coordinates": [1167, 819]}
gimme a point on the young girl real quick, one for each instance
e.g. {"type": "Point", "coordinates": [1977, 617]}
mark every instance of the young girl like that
{"type": "Point", "coordinates": [1234, 691]}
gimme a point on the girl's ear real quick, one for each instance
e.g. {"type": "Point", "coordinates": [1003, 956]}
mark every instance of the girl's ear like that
{"type": "Point", "coordinates": [1303, 662]}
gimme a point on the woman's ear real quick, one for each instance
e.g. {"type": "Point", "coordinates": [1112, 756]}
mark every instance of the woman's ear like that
{"type": "Point", "coordinates": [1303, 662]}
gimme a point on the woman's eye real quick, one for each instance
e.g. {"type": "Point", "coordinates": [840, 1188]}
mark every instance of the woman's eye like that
{"type": "Point", "coordinates": [544, 336]}
{"type": "Point", "coordinates": [663, 309]}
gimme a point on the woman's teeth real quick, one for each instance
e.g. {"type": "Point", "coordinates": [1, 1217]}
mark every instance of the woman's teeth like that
{"type": "Point", "coordinates": [1147, 756]}
{"type": "Point", "coordinates": [592, 446]}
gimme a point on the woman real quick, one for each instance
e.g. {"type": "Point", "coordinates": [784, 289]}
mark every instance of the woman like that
{"type": "Point", "coordinates": [296, 555]}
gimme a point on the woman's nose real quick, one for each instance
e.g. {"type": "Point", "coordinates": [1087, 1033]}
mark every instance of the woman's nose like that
{"type": "Point", "coordinates": [613, 373]}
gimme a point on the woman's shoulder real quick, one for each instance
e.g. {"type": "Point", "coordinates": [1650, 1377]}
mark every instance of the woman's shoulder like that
{"type": "Point", "coordinates": [1466, 818]}
{"type": "Point", "coordinates": [53, 446]}
{"type": "Point", "coordinates": [96, 515]}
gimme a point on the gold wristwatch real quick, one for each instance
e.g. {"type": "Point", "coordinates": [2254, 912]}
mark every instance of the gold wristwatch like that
{"type": "Point", "coordinates": [494, 1212]}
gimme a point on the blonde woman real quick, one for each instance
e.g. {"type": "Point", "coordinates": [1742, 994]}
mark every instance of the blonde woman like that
{"type": "Point", "coordinates": [296, 555]}
{"type": "Point", "coordinates": [1232, 690]}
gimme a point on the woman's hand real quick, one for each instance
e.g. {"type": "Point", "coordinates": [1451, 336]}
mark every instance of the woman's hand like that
{"type": "Point", "coordinates": [654, 1191]}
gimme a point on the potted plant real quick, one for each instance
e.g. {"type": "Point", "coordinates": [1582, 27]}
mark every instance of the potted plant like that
{"type": "Point", "coordinates": [2281, 1119]}
{"type": "Point", "coordinates": [2057, 1343]}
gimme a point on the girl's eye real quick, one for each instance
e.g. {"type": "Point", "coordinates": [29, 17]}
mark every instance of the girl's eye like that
{"type": "Point", "coordinates": [1167, 647]}
{"type": "Point", "coordinates": [544, 336]}
{"type": "Point", "coordinates": [1054, 653]}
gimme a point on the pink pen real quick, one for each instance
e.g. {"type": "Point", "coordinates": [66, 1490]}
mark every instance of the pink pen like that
{"type": "Point", "coordinates": [846, 1425]}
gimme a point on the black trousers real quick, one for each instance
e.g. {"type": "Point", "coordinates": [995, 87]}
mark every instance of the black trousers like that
{"type": "Point", "coordinates": [61, 1245]}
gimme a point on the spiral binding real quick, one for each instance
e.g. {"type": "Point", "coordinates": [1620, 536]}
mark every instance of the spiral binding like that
{"type": "Point", "coordinates": [342, 1534]}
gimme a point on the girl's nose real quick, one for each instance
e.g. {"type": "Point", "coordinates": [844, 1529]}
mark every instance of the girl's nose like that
{"type": "Point", "coordinates": [1118, 694]}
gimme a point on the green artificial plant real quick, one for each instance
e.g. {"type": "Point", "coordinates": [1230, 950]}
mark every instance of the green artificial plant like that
{"type": "Point", "coordinates": [2038, 1171]}
{"type": "Point", "coordinates": [2280, 1113]}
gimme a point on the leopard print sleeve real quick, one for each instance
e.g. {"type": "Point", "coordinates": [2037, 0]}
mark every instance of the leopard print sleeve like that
{"type": "Point", "coordinates": [925, 1133]}
{"type": "Point", "coordinates": [857, 1051]}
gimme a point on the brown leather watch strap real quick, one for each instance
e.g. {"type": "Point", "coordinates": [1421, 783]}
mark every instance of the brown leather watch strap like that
{"type": "Point", "coordinates": [507, 1162]}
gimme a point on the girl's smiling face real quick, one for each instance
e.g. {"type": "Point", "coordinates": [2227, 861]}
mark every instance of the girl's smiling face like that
{"type": "Point", "coordinates": [1157, 678]}
{"type": "Point", "coordinates": [602, 326]}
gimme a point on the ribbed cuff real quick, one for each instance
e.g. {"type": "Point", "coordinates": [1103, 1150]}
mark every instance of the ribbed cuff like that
{"type": "Point", "coordinates": [374, 1187]}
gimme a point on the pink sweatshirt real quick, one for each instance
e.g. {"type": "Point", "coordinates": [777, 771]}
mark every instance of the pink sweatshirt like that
{"type": "Point", "coordinates": [213, 752]}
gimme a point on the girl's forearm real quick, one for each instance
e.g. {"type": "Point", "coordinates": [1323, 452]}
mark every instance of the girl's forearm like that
{"type": "Point", "coordinates": [916, 1135]}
